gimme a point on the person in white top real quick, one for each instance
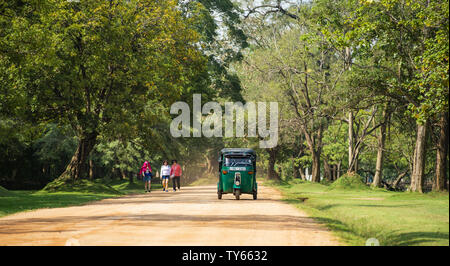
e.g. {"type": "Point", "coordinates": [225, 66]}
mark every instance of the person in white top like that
{"type": "Point", "coordinates": [165, 175]}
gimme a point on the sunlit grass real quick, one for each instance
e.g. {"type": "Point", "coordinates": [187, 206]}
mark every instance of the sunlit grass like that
{"type": "Point", "coordinates": [17, 201]}
{"type": "Point", "coordinates": [205, 180]}
{"type": "Point", "coordinates": [394, 218]}
{"type": "Point", "coordinates": [29, 200]}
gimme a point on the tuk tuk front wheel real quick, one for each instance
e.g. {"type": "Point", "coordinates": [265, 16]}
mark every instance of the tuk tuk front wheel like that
{"type": "Point", "coordinates": [237, 194]}
{"type": "Point", "coordinates": [255, 195]}
{"type": "Point", "coordinates": [219, 194]}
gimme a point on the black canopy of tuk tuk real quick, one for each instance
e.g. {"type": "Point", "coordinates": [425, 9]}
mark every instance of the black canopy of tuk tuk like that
{"type": "Point", "coordinates": [236, 152]}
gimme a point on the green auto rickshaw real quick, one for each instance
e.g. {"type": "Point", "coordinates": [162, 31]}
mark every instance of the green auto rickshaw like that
{"type": "Point", "coordinates": [237, 172]}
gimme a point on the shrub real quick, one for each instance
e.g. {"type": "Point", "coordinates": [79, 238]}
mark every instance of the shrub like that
{"type": "Point", "coordinates": [349, 182]}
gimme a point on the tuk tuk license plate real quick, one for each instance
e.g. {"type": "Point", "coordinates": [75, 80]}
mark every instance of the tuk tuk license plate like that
{"type": "Point", "coordinates": [237, 168]}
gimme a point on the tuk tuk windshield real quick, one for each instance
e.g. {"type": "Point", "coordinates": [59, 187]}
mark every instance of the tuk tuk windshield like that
{"type": "Point", "coordinates": [238, 161]}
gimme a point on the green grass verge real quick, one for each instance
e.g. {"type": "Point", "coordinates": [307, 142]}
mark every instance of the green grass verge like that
{"type": "Point", "coordinates": [394, 218]}
{"type": "Point", "coordinates": [30, 200]}
{"type": "Point", "coordinates": [4, 192]}
{"type": "Point", "coordinates": [205, 180]}
{"type": "Point", "coordinates": [78, 194]}
{"type": "Point", "coordinates": [83, 186]}
{"type": "Point", "coordinates": [137, 187]}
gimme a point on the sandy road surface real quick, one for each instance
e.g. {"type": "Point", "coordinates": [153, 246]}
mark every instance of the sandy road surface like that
{"type": "Point", "coordinates": [193, 216]}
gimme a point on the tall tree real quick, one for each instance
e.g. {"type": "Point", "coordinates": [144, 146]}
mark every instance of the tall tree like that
{"type": "Point", "coordinates": [414, 34]}
{"type": "Point", "coordinates": [298, 58]}
{"type": "Point", "coordinates": [93, 64]}
{"type": "Point", "coordinates": [381, 147]}
{"type": "Point", "coordinates": [440, 181]}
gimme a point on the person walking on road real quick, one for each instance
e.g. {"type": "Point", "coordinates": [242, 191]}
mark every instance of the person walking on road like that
{"type": "Point", "coordinates": [175, 174]}
{"type": "Point", "coordinates": [165, 174]}
{"type": "Point", "coordinates": [146, 172]}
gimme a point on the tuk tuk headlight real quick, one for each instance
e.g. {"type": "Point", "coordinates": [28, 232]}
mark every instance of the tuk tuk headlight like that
{"type": "Point", "coordinates": [237, 180]}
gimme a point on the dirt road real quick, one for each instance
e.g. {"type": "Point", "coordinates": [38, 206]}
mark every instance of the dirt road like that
{"type": "Point", "coordinates": [193, 216]}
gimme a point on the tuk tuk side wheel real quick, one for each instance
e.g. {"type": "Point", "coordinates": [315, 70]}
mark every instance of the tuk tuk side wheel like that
{"type": "Point", "coordinates": [219, 194]}
{"type": "Point", "coordinates": [255, 195]}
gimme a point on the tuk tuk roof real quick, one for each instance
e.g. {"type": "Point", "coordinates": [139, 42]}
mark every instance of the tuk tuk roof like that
{"type": "Point", "coordinates": [237, 151]}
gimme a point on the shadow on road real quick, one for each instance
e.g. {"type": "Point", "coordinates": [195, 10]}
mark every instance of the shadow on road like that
{"type": "Point", "coordinates": [256, 222]}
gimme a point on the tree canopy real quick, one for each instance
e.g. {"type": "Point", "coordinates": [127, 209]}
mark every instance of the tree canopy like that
{"type": "Point", "coordinates": [362, 86]}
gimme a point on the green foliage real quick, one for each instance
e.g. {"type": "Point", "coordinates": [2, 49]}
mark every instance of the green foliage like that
{"type": "Point", "coordinates": [413, 36]}
{"type": "Point", "coordinates": [112, 69]}
{"type": "Point", "coordinates": [12, 143]}
{"type": "Point", "coordinates": [335, 143]}
{"type": "Point", "coordinates": [304, 161]}
{"type": "Point", "coordinates": [127, 157]}
{"type": "Point", "coordinates": [107, 69]}
{"type": "Point", "coordinates": [55, 143]}
{"type": "Point", "coordinates": [17, 159]}
{"type": "Point", "coordinates": [378, 53]}
{"type": "Point", "coordinates": [326, 182]}
{"type": "Point", "coordinates": [54, 149]}
{"type": "Point", "coordinates": [221, 39]}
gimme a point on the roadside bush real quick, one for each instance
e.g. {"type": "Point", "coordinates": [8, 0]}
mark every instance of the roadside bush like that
{"type": "Point", "coordinates": [349, 182]}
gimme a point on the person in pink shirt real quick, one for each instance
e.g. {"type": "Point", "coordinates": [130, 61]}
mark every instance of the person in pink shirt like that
{"type": "Point", "coordinates": [146, 172]}
{"type": "Point", "coordinates": [175, 174]}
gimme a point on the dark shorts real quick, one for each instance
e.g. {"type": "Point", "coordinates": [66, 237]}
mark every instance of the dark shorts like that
{"type": "Point", "coordinates": [165, 177]}
{"type": "Point", "coordinates": [147, 177]}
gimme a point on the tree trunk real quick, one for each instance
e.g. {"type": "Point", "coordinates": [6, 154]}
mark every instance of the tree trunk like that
{"type": "Point", "coordinates": [338, 170]}
{"type": "Point", "coordinates": [327, 170]}
{"type": "Point", "coordinates": [353, 162]}
{"type": "Point", "coordinates": [398, 179]}
{"type": "Point", "coordinates": [439, 183]}
{"type": "Point", "coordinates": [130, 177]}
{"type": "Point", "coordinates": [315, 147]}
{"type": "Point", "coordinates": [355, 145]}
{"type": "Point", "coordinates": [208, 164]}
{"type": "Point", "coordinates": [379, 164]}
{"type": "Point", "coordinates": [315, 172]}
{"type": "Point", "coordinates": [14, 173]}
{"type": "Point", "coordinates": [122, 174]}
{"type": "Point", "coordinates": [91, 170]}
{"type": "Point", "coordinates": [419, 159]}
{"type": "Point", "coordinates": [302, 173]}
{"type": "Point", "coordinates": [295, 170]}
{"type": "Point", "coordinates": [350, 142]}
{"type": "Point", "coordinates": [353, 151]}
{"type": "Point", "coordinates": [333, 172]}
{"type": "Point", "coordinates": [272, 174]}
{"type": "Point", "coordinates": [77, 166]}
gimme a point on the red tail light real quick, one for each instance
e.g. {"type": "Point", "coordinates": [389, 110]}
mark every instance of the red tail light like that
{"type": "Point", "coordinates": [225, 172]}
